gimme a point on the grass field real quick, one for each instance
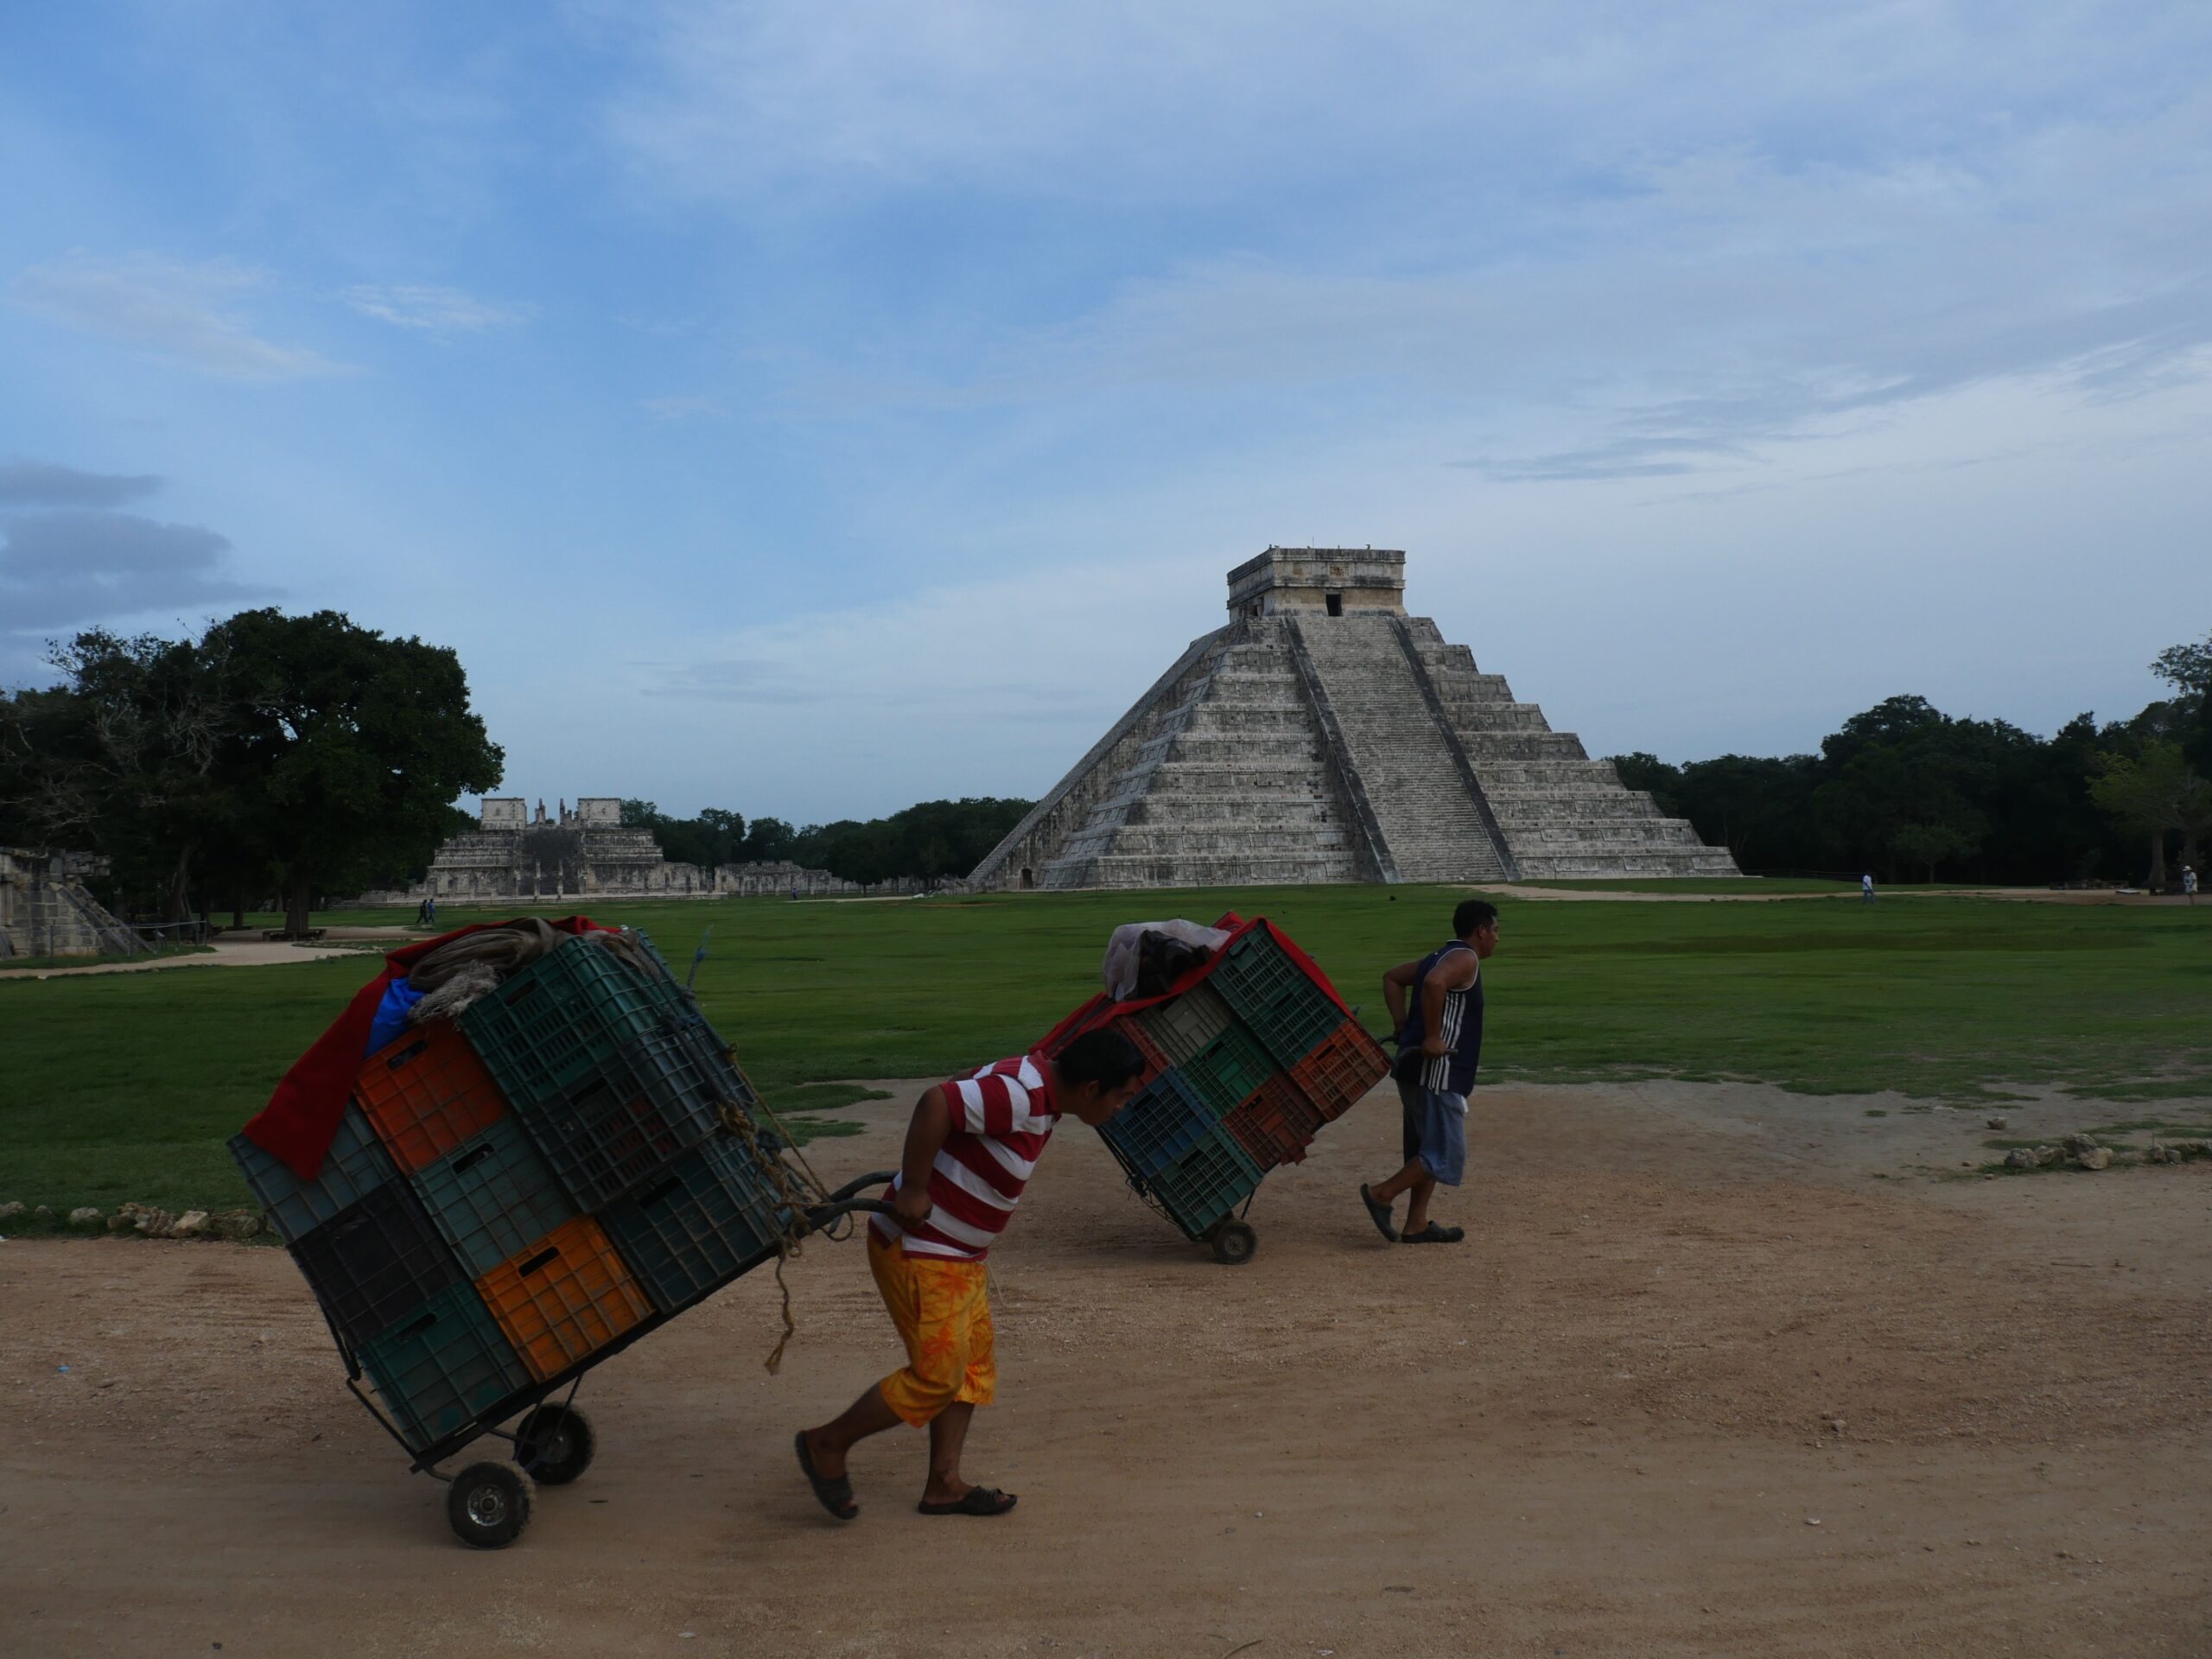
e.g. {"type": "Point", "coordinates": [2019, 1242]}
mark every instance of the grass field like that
{"type": "Point", "coordinates": [125, 1086]}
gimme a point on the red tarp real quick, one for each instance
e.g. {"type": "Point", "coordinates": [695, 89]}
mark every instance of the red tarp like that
{"type": "Point", "coordinates": [302, 1117]}
{"type": "Point", "coordinates": [1101, 1008]}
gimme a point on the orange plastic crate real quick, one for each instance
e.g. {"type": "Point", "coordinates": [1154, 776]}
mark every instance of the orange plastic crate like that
{"type": "Point", "coordinates": [1274, 1123]}
{"type": "Point", "coordinates": [427, 1092]}
{"type": "Point", "coordinates": [1346, 1065]}
{"type": "Point", "coordinates": [564, 1297]}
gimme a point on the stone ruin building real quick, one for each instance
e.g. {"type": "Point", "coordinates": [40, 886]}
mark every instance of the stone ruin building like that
{"type": "Point", "coordinates": [1325, 735]}
{"type": "Point", "coordinates": [514, 855]}
{"type": "Point", "coordinates": [46, 912]}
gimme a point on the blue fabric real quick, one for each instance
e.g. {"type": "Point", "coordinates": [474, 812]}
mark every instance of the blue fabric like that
{"type": "Point", "coordinates": [392, 1013]}
{"type": "Point", "coordinates": [1436, 1131]}
{"type": "Point", "coordinates": [1452, 1072]}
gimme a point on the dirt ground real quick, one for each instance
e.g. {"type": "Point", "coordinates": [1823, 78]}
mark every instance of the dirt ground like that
{"type": "Point", "coordinates": [1606, 1425]}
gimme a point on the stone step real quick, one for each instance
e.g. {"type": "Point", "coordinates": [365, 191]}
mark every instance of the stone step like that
{"type": "Point", "coordinates": [1238, 870]}
{"type": "Point", "coordinates": [1164, 839]}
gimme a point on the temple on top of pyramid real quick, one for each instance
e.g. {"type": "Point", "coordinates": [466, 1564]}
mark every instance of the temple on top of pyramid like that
{"type": "Point", "coordinates": [1325, 735]}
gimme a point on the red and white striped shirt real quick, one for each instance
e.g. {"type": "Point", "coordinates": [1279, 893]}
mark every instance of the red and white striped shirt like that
{"type": "Point", "coordinates": [1002, 1115]}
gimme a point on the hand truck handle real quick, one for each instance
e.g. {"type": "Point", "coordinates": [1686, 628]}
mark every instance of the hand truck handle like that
{"type": "Point", "coordinates": [881, 1178]}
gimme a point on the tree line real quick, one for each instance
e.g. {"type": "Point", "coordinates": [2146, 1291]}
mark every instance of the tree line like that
{"type": "Point", "coordinates": [1906, 791]}
{"type": "Point", "coordinates": [269, 754]}
{"type": "Point", "coordinates": [929, 841]}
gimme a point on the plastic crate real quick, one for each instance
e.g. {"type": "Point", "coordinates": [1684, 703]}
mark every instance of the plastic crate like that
{"type": "Point", "coordinates": [563, 1298]}
{"type": "Point", "coordinates": [1163, 1122]}
{"type": "Point", "coordinates": [571, 1009]}
{"type": "Point", "coordinates": [715, 1069]}
{"type": "Point", "coordinates": [627, 1118]}
{"type": "Point", "coordinates": [441, 1369]}
{"type": "Point", "coordinates": [1206, 1185]}
{"type": "Point", "coordinates": [713, 1214]}
{"type": "Point", "coordinates": [491, 1197]}
{"type": "Point", "coordinates": [376, 1262]}
{"type": "Point", "coordinates": [1274, 1125]}
{"type": "Point", "coordinates": [355, 1167]}
{"type": "Point", "coordinates": [1273, 995]}
{"type": "Point", "coordinates": [1182, 1026]}
{"type": "Point", "coordinates": [1227, 1070]}
{"type": "Point", "coordinates": [427, 1093]}
{"type": "Point", "coordinates": [1347, 1064]}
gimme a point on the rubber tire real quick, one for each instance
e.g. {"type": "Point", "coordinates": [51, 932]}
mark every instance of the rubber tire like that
{"type": "Point", "coordinates": [573, 1445]}
{"type": "Point", "coordinates": [487, 1505]}
{"type": "Point", "coordinates": [1234, 1242]}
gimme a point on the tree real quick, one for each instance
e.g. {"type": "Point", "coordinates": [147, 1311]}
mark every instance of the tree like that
{"type": "Point", "coordinates": [1655, 777]}
{"type": "Point", "coordinates": [2187, 669]}
{"type": "Point", "coordinates": [2154, 793]}
{"type": "Point", "coordinates": [125, 758]}
{"type": "Point", "coordinates": [347, 748]}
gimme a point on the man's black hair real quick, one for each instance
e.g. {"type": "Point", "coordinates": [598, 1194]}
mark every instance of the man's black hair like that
{"type": "Point", "coordinates": [1471, 914]}
{"type": "Point", "coordinates": [1105, 1058]}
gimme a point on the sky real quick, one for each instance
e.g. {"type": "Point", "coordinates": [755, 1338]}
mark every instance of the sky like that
{"type": "Point", "coordinates": [809, 410]}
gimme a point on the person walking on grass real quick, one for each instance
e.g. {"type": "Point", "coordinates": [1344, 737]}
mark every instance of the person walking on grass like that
{"type": "Point", "coordinates": [1436, 1008]}
{"type": "Point", "coordinates": [1866, 888]}
{"type": "Point", "coordinates": [970, 1147]}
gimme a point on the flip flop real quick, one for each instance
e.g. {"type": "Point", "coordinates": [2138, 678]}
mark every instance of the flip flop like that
{"type": "Point", "coordinates": [1381, 1212]}
{"type": "Point", "coordinates": [1433, 1234]}
{"type": "Point", "coordinates": [834, 1492]}
{"type": "Point", "coordinates": [978, 1500]}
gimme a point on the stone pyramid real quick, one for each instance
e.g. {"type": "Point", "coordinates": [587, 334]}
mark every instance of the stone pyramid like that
{"type": "Point", "coordinates": [1325, 735]}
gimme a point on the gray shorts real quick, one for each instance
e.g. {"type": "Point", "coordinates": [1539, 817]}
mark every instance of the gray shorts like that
{"type": "Point", "coordinates": [1436, 1131]}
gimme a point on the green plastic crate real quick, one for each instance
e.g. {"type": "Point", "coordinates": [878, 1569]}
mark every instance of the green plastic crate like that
{"type": "Point", "coordinates": [1275, 997]}
{"type": "Point", "coordinates": [715, 1214]}
{"type": "Point", "coordinates": [1206, 1185]}
{"type": "Point", "coordinates": [1227, 1070]}
{"type": "Point", "coordinates": [492, 1197]}
{"type": "Point", "coordinates": [355, 1167]}
{"type": "Point", "coordinates": [443, 1367]}
{"type": "Point", "coordinates": [568, 1011]}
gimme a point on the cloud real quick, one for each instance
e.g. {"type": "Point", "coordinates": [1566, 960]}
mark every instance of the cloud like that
{"type": "Point", "coordinates": [178, 311]}
{"type": "Point", "coordinates": [431, 309]}
{"type": "Point", "coordinates": [685, 408]}
{"type": "Point", "coordinates": [61, 569]}
{"type": "Point", "coordinates": [41, 484]}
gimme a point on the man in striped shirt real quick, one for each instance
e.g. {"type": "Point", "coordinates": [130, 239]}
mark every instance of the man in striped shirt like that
{"type": "Point", "coordinates": [970, 1147]}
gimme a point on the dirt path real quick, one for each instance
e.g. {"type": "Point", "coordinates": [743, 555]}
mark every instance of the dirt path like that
{"type": "Point", "coordinates": [223, 953]}
{"type": "Point", "coordinates": [1604, 1427]}
{"type": "Point", "coordinates": [1848, 895]}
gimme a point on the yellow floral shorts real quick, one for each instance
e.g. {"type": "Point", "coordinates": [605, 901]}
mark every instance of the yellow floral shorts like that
{"type": "Point", "coordinates": [943, 1310]}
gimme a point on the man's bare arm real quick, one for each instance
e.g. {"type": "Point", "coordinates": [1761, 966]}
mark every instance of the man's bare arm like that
{"type": "Point", "coordinates": [1396, 984]}
{"type": "Point", "coordinates": [925, 1137]}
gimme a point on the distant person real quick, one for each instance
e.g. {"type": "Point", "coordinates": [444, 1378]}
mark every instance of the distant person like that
{"type": "Point", "coordinates": [1436, 1009]}
{"type": "Point", "coordinates": [970, 1146]}
{"type": "Point", "coordinates": [2188, 882]}
{"type": "Point", "coordinates": [1866, 888]}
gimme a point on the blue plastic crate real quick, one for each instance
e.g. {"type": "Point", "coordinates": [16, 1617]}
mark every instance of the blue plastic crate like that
{"type": "Point", "coordinates": [1162, 1122]}
{"type": "Point", "coordinates": [444, 1366]}
{"type": "Point", "coordinates": [492, 1196]}
{"type": "Point", "coordinates": [713, 1214]}
{"type": "Point", "coordinates": [355, 1167]}
{"type": "Point", "coordinates": [1206, 1185]}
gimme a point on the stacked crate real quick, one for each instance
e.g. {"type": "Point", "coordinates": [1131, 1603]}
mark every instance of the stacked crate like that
{"type": "Point", "coordinates": [510, 1193]}
{"type": "Point", "coordinates": [1243, 1067]}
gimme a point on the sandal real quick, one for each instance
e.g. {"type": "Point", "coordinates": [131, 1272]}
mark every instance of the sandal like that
{"type": "Point", "coordinates": [977, 1500]}
{"type": "Point", "coordinates": [1381, 1212]}
{"type": "Point", "coordinates": [1433, 1234]}
{"type": "Point", "coordinates": [834, 1492]}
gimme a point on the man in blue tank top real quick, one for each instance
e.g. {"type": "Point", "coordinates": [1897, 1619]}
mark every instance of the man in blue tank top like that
{"type": "Point", "coordinates": [1436, 1008]}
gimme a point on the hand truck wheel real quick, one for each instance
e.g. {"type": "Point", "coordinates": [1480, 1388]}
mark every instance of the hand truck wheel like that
{"type": "Point", "coordinates": [555, 1444]}
{"type": "Point", "coordinates": [488, 1505]}
{"type": "Point", "coordinates": [1234, 1242]}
